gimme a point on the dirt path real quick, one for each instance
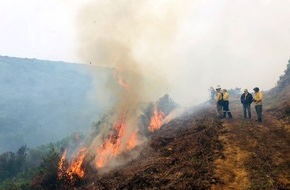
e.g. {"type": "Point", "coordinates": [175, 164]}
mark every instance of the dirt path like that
{"type": "Point", "coordinates": [199, 151]}
{"type": "Point", "coordinates": [256, 156]}
{"type": "Point", "coordinates": [230, 168]}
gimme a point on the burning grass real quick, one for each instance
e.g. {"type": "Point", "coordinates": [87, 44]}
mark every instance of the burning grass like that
{"type": "Point", "coordinates": [103, 152]}
{"type": "Point", "coordinates": [183, 154]}
{"type": "Point", "coordinates": [156, 120]}
{"type": "Point", "coordinates": [180, 155]}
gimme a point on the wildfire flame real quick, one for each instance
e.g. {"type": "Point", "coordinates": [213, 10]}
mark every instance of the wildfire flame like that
{"type": "Point", "coordinates": [61, 167]}
{"type": "Point", "coordinates": [132, 142]}
{"type": "Point", "coordinates": [111, 146]}
{"type": "Point", "coordinates": [116, 143]}
{"type": "Point", "coordinates": [121, 81]}
{"type": "Point", "coordinates": [156, 120]}
{"type": "Point", "coordinates": [75, 167]}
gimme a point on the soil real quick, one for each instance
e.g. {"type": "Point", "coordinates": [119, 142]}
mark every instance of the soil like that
{"type": "Point", "coordinates": [257, 154]}
{"type": "Point", "coordinates": [200, 151]}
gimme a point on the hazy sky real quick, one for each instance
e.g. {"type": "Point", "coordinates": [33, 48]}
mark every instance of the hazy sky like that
{"type": "Point", "coordinates": [233, 43]}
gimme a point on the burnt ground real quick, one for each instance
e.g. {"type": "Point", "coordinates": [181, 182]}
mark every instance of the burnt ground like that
{"type": "Point", "coordinates": [257, 155]}
{"type": "Point", "coordinates": [199, 151]}
{"type": "Point", "coordinates": [179, 156]}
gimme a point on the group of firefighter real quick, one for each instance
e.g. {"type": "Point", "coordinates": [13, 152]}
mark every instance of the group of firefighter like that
{"type": "Point", "coordinates": [222, 102]}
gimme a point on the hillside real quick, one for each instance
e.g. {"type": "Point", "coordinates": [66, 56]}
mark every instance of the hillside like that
{"type": "Point", "coordinates": [44, 101]}
{"type": "Point", "coordinates": [199, 151]}
{"type": "Point", "coordinates": [278, 99]}
{"type": "Point", "coordinates": [195, 150]}
{"type": "Point", "coordinates": [179, 156]}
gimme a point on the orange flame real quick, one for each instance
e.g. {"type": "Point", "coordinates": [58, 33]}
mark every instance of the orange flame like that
{"type": "Point", "coordinates": [61, 165]}
{"type": "Point", "coordinates": [74, 167]}
{"type": "Point", "coordinates": [111, 146]}
{"type": "Point", "coordinates": [121, 82]}
{"type": "Point", "coordinates": [132, 142]}
{"type": "Point", "coordinates": [156, 120]}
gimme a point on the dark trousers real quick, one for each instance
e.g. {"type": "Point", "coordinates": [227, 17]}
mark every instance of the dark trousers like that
{"type": "Point", "coordinates": [247, 108]}
{"type": "Point", "coordinates": [259, 110]}
{"type": "Point", "coordinates": [226, 109]}
{"type": "Point", "coordinates": [219, 110]}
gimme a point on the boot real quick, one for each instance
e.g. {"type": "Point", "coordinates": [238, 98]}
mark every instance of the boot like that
{"type": "Point", "coordinates": [225, 115]}
{"type": "Point", "coordinates": [230, 114]}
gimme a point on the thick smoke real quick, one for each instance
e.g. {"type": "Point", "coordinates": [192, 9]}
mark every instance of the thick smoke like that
{"type": "Point", "coordinates": [132, 36]}
{"type": "Point", "coordinates": [125, 36]}
{"type": "Point", "coordinates": [181, 47]}
{"type": "Point", "coordinates": [192, 45]}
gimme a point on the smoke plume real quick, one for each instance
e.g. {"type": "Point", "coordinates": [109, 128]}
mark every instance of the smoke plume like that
{"type": "Point", "coordinates": [127, 36]}
{"type": "Point", "coordinates": [132, 36]}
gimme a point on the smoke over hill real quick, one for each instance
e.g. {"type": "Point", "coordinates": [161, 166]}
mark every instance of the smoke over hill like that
{"type": "Point", "coordinates": [45, 101]}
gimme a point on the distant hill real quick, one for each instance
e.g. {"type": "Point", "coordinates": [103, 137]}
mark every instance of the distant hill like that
{"type": "Point", "coordinates": [284, 80]}
{"type": "Point", "coordinates": [196, 150]}
{"type": "Point", "coordinates": [277, 100]}
{"type": "Point", "coordinates": [43, 101]}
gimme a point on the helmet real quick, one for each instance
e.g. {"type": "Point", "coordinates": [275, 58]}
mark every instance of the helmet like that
{"type": "Point", "coordinates": [256, 89]}
{"type": "Point", "coordinates": [218, 87]}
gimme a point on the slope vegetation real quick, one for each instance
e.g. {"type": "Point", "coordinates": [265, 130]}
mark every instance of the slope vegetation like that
{"type": "Point", "coordinates": [199, 151]}
{"type": "Point", "coordinates": [179, 156]}
{"type": "Point", "coordinates": [44, 101]}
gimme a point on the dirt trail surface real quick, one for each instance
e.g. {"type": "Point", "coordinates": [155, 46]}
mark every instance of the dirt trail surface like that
{"type": "Point", "coordinates": [200, 151]}
{"type": "Point", "coordinates": [256, 155]}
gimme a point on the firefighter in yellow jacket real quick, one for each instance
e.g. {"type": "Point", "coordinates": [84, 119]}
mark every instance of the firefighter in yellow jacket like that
{"type": "Point", "coordinates": [226, 98]}
{"type": "Point", "coordinates": [219, 101]}
{"type": "Point", "coordinates": [258, 97]}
